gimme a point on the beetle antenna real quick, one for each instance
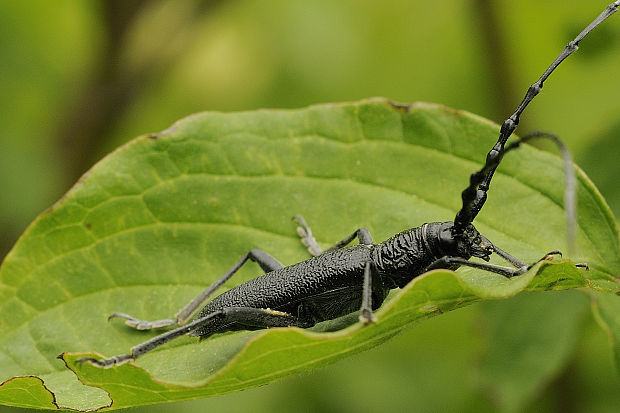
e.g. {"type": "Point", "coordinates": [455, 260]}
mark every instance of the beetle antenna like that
{"type": "Point", "coordinates": [570, 183]}
{"type": "Point", "coordinates": [475, 195]}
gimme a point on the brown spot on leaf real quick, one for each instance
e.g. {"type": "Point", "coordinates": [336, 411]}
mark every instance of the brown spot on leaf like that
{"type": "Point", "coordinates": [401, 107]}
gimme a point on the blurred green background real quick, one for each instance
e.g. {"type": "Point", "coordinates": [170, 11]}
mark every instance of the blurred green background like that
{"type": "Point", "coordinates": [79, 78]}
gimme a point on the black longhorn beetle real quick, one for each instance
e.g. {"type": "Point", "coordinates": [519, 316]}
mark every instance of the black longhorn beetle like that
{"type": "Point", "coordinates": [343, 279]}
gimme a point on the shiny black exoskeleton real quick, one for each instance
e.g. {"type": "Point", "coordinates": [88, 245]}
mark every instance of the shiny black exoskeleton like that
{"type": "Point", "coordinates": [329, 285]}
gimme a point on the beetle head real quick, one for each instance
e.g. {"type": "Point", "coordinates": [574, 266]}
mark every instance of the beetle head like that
{"type": "Point", "coordinates": [464, 243]}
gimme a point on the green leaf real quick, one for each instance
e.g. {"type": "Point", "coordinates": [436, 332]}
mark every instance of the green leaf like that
{"type": "Point", "coordinates": [529, 340]}
{"type": "Point", "coordinates": [27, 392]}
{"type": "Point", "coordinates": [607, 311]}
{"type": "Point", "coordinates": [162, 217]}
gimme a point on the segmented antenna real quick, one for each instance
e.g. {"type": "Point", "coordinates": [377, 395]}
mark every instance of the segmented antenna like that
{"type": "Point", "coordinates": [475, 195]}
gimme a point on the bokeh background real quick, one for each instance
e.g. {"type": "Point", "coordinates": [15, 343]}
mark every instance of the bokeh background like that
{"type": "Point", "coordinates": [80, 78]}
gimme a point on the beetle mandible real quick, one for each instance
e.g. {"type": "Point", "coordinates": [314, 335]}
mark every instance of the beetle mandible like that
{"type": "Point", "coordinates": [343, 279]}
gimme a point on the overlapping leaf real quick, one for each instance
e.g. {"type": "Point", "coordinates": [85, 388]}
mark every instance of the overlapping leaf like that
{"type": "Point", "coordinates": [154, 222]}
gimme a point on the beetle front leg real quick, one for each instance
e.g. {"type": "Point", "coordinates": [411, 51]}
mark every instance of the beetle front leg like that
{"type": "Point", "coordinates": [508, 272]}
{"type": "Point", "coordinates": [447, 262]}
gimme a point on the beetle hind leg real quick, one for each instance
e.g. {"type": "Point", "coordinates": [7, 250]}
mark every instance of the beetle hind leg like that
{"type": "Point", "coordinates": [206, 326]}
{"type": "Point", "coordinates": [264, 260]}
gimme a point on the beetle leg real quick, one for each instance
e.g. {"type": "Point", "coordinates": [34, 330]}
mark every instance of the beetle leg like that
{"type": "Point", "coordinates": [517, 263]}
{"type": "Point", "coordinates": [305, 233]}
{"type": "Point", "coordinates": [366, 315]}
{"type": "Point", "coordinates": [508, 272]}
{"type": "Point", "coordinates": [362, 234]}
{"type": "Point", "coordinates": [205, 327]}
{"type": "Point", "coordinates": [264, 260]}
{"type": "Point", "coordinates": [447, 262]}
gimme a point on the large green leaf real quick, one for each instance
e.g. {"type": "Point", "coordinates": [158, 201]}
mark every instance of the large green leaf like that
{"type": "Point", "coordinates": [530, 338]}
{"type": "Point", "coordinates": [607, 311]}
{"type": "Point", "coordinates": [162, 217]}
